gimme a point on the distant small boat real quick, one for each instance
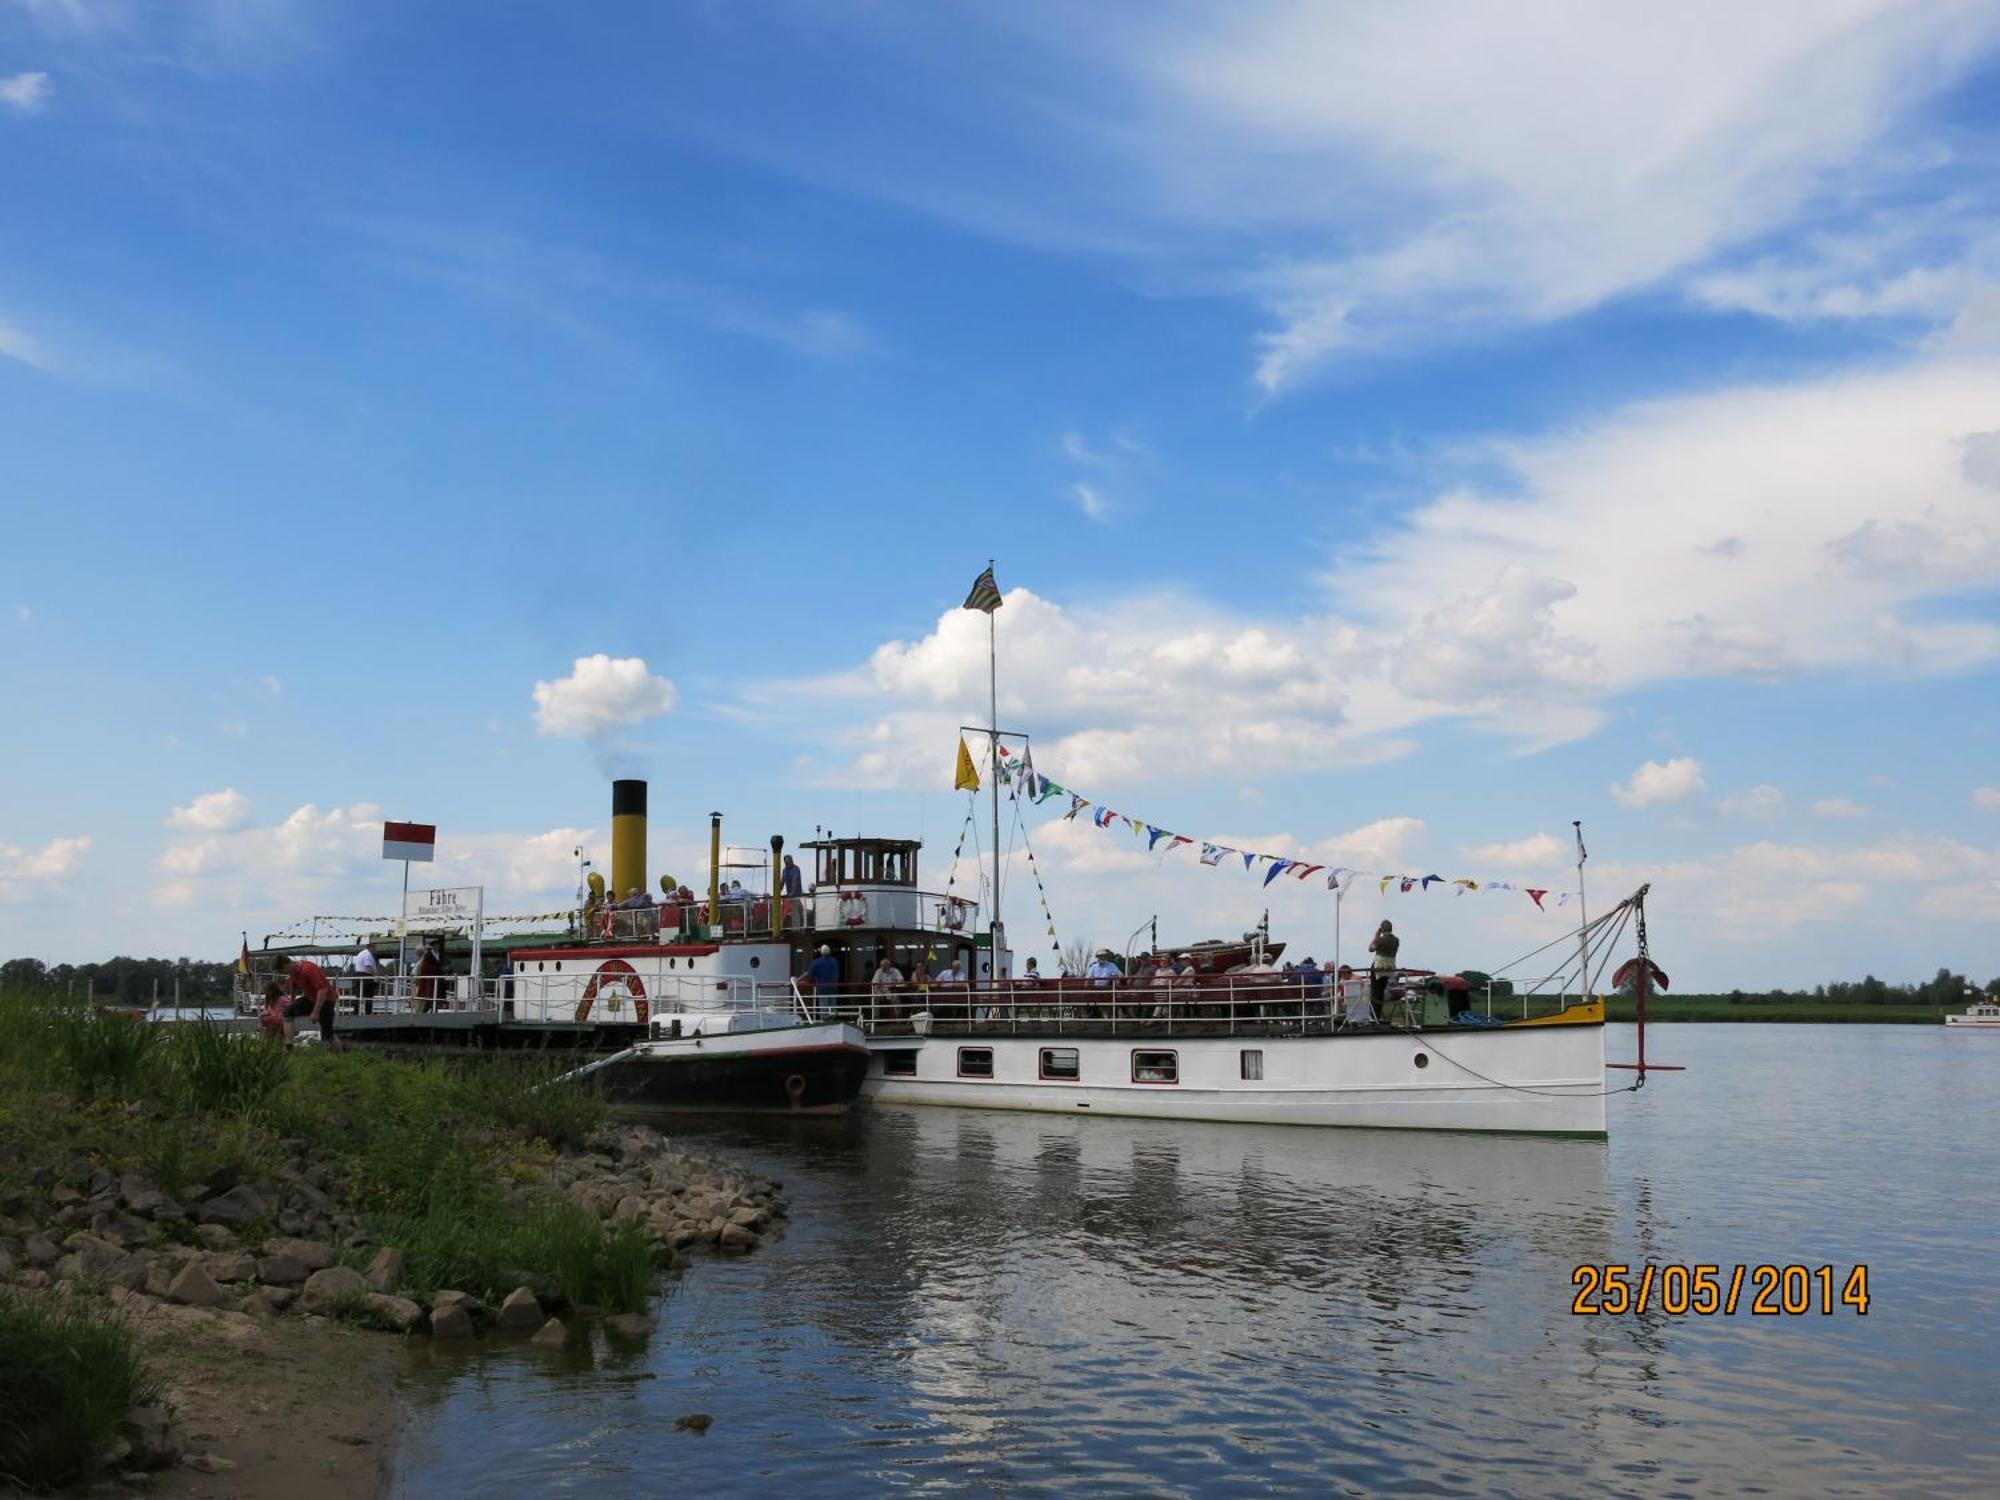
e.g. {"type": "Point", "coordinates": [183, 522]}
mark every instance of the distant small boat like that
{"type": "Point", "coordinates": [1981, 1015]}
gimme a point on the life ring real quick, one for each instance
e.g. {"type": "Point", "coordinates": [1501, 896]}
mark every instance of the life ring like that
{"type": "Point", "coordinates": [951, 915]}
{"type": "Point", "coordinates": [853, 908]}
{"type": "Point", "coordinates": [607, 925]}
{"type": "Point", "coordinates": [615, 971]}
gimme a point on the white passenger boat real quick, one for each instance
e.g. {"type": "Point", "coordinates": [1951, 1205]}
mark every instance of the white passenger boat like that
{"type": "Point", "coordinates": [707, 1004]}
{"type": "Point", "coordinates": [1981, 1015]}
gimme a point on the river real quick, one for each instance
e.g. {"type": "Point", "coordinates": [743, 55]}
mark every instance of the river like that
{"type": "Point", "coordinates": [998, 1304]}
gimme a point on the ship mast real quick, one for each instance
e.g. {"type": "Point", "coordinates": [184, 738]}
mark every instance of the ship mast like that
{"type": "Point", "coordinates": [993, 756]}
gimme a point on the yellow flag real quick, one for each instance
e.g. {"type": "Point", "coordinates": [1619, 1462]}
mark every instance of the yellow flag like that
{"type": "Point", "coordinates": [967, 779]}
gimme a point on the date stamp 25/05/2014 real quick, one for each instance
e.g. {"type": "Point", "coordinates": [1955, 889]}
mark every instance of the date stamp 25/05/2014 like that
{"type": "Point", "coordinates": [1767, 1291]}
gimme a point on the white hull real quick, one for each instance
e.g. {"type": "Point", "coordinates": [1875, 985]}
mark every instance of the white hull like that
{"type": "Point", "coordinates": [1974, 1023]}
{"type": "Point", "coordinates": [1544, 1080]}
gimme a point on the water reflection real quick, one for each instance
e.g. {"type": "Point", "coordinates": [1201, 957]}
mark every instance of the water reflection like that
{"type": "Point", "coordinates": [1039, 1305]}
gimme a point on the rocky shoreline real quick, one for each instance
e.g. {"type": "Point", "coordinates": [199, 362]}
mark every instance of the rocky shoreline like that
{"type": "Point", "coordinates": [236, 1256]}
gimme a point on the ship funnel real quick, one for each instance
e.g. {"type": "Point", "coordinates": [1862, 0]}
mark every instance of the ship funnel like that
{"type": "Point", "coordinates": [628, 838]}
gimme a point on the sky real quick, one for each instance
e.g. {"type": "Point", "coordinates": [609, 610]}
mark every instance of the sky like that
{"type": "Point", "coordinates": [1401, 430]}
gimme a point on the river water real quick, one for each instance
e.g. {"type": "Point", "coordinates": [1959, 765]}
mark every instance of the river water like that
{"type": "Point", "coordinates": [999, 1304]}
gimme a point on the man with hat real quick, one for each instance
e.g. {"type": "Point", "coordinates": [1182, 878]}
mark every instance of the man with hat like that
{"type": "Point", "coordinates": [1103, 970]}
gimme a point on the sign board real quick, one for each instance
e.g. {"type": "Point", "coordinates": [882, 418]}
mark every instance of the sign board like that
{"type": "Point", "coordinates": [461, 907]}
{"type": "Point", "coordinates": [416, 841]}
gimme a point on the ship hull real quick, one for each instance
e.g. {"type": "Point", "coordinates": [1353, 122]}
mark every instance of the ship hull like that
{"type": "Point", "coordinates": [1537, 1080]}
{"type": "Point", "coordinates": [791, 1070]}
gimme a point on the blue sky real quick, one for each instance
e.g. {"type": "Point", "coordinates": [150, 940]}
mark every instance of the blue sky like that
{"type": "Point", "coordinates": [1401, 431]}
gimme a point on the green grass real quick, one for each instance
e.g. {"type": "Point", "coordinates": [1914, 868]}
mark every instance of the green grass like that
{"type": "Point", "coordinates": [66, 1377]}
{"type": "Point", "coordinates": [1720, 1008]}
{"type": "Point", "coordinates": [422, 1149]}
{"type": "Point", "coordinates": [214, 1069]}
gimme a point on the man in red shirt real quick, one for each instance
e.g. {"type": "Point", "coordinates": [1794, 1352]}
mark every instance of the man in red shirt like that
{"type": "Point", "coordinates": [312, 994]}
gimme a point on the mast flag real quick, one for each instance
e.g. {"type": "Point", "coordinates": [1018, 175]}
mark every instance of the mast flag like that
{"type": "Point", "coordinates": [967, 779]}
{"type": "Point", "coordinates": [985, 595]}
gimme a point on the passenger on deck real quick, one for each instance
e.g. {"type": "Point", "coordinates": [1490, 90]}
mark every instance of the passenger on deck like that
{"type": "Point", "coordinates": [1102, 971]}
{"type": "Point", "coordinates": [1384, 945]}
{"type": "Point", "coordinates": [885, 988]}
{"type": "Point", "coordinates": [430, 964]}
{"type": "Point", "coordinates": [823, 980]}
{"type": "Point", "coordinates": [365, 968]}
{"type": "Point", "coordinates": [790, 881]}
{"type": "Point", "coordinates": [635, 900]}
{"type": "Point", "coordinates": [1353, 998]}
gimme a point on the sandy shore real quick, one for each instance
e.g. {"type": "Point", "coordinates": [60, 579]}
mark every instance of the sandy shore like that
{"type": "Point", "coordinates": [300, 1408]}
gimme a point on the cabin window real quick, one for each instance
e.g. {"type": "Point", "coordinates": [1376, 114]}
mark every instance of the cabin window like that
{"type": "Point", "coordinates": [755, 960]}
{"type": "Point", "coordinates": [1156, 1067]}
{"type": "Point", "coordinates": [975, 1062]}
{"type": "Point", "coordinates": [1060, 1064]}
{"type": "Point", "coordinates": [902, 1064]}
{"type": "Point", "coordinates": [1253, 1064]}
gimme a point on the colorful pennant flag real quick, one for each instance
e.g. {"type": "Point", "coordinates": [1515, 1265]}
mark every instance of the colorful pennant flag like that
{"type": "Point", "coordinates": [967, 779]}
{"type": "Point", "coordinates": [1278, 867]}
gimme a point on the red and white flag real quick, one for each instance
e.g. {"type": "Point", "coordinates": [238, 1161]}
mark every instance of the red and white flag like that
{"type": "Point", "coordinates": [416, 841]}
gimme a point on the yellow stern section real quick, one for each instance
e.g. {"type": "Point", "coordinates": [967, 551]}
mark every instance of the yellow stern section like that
{"type": "Point", "coordinates": [1584, 1013]}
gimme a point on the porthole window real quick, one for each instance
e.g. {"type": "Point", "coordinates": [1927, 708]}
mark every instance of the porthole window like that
{"type": "Point", "coordinates": [755, 960]}
{"type": "Point", "coordinates": [1423, 1061]}
{"type": "Point", "coordinates": [975, 1062]}
{"type": "Point", "coordinates": [559, 966]}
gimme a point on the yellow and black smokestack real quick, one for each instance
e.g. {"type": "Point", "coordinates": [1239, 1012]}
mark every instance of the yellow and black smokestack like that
{"type": "Point", "coordinates": [628, 838]}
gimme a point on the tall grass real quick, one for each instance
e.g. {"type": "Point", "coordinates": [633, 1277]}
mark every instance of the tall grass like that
{"type": "Point", "coordinates": [66, 1377]}
{"type": "Point", "coordinates": [528, 1095]}
{"type": "Point", "coordinates": [215, 1069]}
{"type": "Point", "coordinates": [99, 1051]}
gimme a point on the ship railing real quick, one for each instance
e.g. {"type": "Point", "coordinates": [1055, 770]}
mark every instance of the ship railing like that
{"type": "Point", "coordinates": [1225, 1003]}
{"type": "Point", "coordinates": [688, 921]}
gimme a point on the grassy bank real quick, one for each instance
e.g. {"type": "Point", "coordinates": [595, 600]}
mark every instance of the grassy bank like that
{"type": "Point", "coordinates": [431, 1156]}
{"type": "Point", "coordinates": [67, 1375]}
{"type": "Point", "coordinates": [1722, 1008]}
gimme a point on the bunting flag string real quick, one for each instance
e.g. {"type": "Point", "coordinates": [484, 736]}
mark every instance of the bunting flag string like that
{"type": "Point", "coordinates": [1028, 786]}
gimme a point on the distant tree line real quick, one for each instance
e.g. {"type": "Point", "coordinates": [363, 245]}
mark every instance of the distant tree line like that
{"type": "Point", "coordinates": [1943, 989]}
{"type": "Point", "coordinates": [124, 981]}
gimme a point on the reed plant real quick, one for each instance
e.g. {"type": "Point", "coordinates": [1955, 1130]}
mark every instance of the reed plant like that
{"type": "Point", "coordinates": [67, 1375]}
{"type": "Point", "coordinates": [216, 1069]}
{"type": "Point", "coordinates": [98, 1051]}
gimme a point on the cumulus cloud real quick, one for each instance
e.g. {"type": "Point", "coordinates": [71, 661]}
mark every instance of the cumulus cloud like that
{"type": "Point", "coordinates": [212, 812]}
{"type": "Point", "coordinates": [1656, 782]}
{"type": "Point", "coordinates": [25, 873]}
{"type": "Point", "coordinates": [329, 859]}
{"type": "Point", "coordinates": [26, 92]}
{"type": "Point", "coordinates": [602, 694]}
{"type": "Point", "coordinates": [1987, 798]}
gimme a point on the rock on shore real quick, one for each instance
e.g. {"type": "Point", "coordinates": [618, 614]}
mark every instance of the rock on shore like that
{"type": "Point", "coordinates": [78, 1229]}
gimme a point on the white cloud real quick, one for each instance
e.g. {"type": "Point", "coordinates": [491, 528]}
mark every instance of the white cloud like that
{"type": "Point", "coordinates": [1487, 171]}
{"type": "Point", "coordinates": [212, 812]}
{"type": "Point", "coordinates": [25, 874]}
{"type": "Point", "coordinates": [22, 347]}
{"type": "Point", "coordinates": [1763, 802]}
{"type": "Point", "coordinates": [26, 92]}
{"type": "Point", "coordinates": [1537, 849]}
{"type": "Point", "coordinates": [1840, 807]}
{"type": "Point", "coordinates": [602, 694]}
{"type": "Point", "coordinates": [23, 613]}
{"type": "Point", "coordinates": [1656, 782]}
{"type": "Point", "coordinates": [270, 684]}
{"type": "Point", "coordinates": [1987, 798]}
{"type": "Point", "coordinates": [1091, 501]}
